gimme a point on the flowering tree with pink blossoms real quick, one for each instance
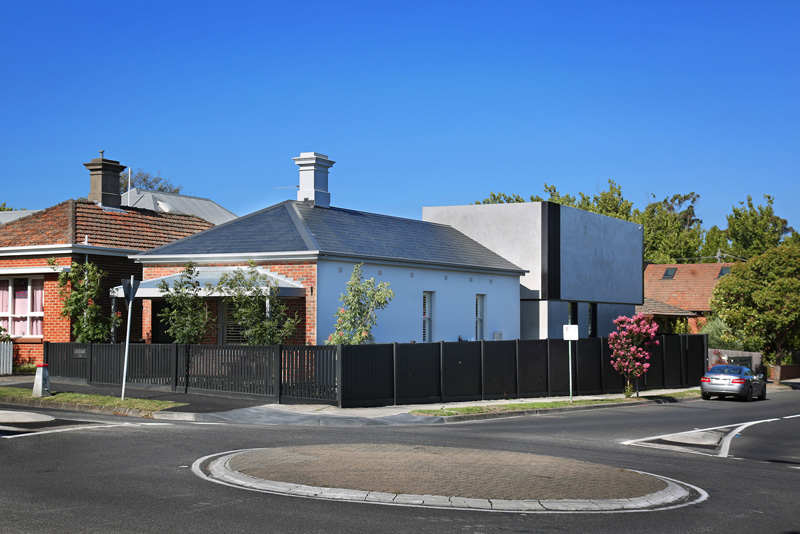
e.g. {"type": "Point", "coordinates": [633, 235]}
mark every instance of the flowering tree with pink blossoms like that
{"type": "Point", "coordinates": [629, 347]}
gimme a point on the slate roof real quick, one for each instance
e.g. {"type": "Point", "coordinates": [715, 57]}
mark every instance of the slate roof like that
{"type": "Point", "coordinates": [174, 203]}
{"type": "Point", "coordinates": [655, 307]}
{"type": "Point", "coordinates": [293, 226]}
{"type": "Point", "coordinates": [690, 288]}
{"type": "Point", "coordinates": [73, 221]}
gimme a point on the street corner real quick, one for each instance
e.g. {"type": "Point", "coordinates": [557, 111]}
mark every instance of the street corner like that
{"type": "Point", "coordinates": [446, 478]}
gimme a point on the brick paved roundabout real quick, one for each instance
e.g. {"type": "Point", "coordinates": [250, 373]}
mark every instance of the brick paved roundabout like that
{"type": "Point", "coordinates": [445, 477]}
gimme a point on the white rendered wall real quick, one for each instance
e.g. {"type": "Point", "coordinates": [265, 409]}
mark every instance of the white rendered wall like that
{"type": "Point", "coordinates": [513, 231]}
{"type": "Point", "coordinates": [453, 303]}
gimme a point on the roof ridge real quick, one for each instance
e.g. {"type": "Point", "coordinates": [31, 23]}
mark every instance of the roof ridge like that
{"type": "Point", "coordinates": [302, 228]}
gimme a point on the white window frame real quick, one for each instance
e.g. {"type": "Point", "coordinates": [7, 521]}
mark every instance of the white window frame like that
{"type": "Point", "coordinates": [13, 313]}
{"type": "Point", "coordinates": [480, 306]}
{"type": "Point", "coordinates": [427, 316]}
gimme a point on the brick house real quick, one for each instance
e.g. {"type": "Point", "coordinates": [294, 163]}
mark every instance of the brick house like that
{"type": "Point", "coordinates": [686, 286]}
{"type": "Point", "coordinates": [98, 230]}
{"type": "Point", "coordinates": [447, 286]}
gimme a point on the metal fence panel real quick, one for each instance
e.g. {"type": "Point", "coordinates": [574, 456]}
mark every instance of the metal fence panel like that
{"type": "Point", "coordinates": [674, 360]}
{"type": "Point", "coordinates": [107, 362]}
{"type": "Point", "coordinates": [558, 364]}
{"type": "Point", "coordinates": [68, 360]}
{"type": "Point", "coordinates": [613, 381]}
{"type": "Point", "coordinates": [237, 369]}
{"type": "Point", "coordinates": [367, 375]}
{"type": "Point", "coordinates": [696, 358]}
{"type": "Point", "coordinates": [151, 364]}
{"type": "Point", "coordinates": [308, 373]}
{"type": "Point", "coordinates": [461, 371]}
{"type": "Point", "coordinates": [654, 377]}
{"type": "Point", "coordinates": [6, 357]}
{"type": "Point", "coordinates": [418, 373]}
{"type": "Point", "coordinates": [533, 368]}
{"type": "Point", "coordinates": [588, 366]}
{"type": "Point", "coordinates": [500, 369]}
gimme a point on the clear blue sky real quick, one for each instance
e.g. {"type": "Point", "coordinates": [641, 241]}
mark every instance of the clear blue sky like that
{"type": "Point", "coordinates": [420, 103]}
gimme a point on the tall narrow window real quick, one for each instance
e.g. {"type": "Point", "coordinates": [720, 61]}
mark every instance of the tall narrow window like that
{"type": "Point", "coordinates": [572, 313]}
{"type": "Point", "coordinates": [479, 317]}
{"type": "Point", "coordinates": [427, 316]}
{"type": "Point", "coordinates": [593, 319]}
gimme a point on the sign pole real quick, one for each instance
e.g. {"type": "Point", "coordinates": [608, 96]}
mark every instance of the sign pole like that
{"type": "Point", "coordinates": [129, 287]}
{"type": "Point", "coordinates": [570, 334]}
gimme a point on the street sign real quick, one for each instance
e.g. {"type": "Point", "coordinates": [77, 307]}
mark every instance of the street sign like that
{"type": "Point", "coordinates": [571, 332]}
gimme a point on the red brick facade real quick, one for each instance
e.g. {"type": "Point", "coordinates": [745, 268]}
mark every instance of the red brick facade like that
{"type": "Point", "coordinates": [304, 273]}
{"type": "Point", "coordinates": [72, 223]}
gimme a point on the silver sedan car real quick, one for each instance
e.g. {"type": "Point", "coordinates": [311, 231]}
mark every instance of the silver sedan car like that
{"type": "Point", "coordinates": [733, 381]}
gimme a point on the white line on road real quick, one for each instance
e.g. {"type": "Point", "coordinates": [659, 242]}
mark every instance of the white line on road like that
{"type": "Point", "coordinates": [726, 441]}
{"type": "Point", "coordinates": [664, 436]}
{"type": "Point", "coordinates": [81, 427]}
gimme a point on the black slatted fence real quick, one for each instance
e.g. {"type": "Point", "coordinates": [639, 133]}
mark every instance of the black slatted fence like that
{"type": "Point", "coordinates": [379, 375]}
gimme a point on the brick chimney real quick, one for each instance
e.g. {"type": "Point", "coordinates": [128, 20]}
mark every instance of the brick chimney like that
{"type": "Point", "coordinates": [314, 178]}
{"type": "Point", "coordinates": [104, 181]}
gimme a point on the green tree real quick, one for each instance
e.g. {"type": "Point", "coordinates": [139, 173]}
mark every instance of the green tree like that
{"type": "Point", "coordinates": [146, 181]}
{"type": "Point", "coordinates": [753, 230]}
{"type": "Point", "coordinates": [715, 242]}
{"type": "Point", "coordinates": [355, 320]}
{"type": "Point", "coordinates": [3, 207]}
{"type": "Point", "coordinates": [186, 314]}
{"type": "Point", "coordinates": [760, 301]}
{"type": "Point", "coordinates": [671, 231]}
{"type": "Point", "coordinates": [252, 297]}
{"type": "Point", "coordinates": [80, 289]}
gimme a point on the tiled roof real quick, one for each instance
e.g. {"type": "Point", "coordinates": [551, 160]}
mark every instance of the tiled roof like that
{"type": "Point", "coordinates": [655, 307]}
{"type": "Point", "coordinates": [689, 288]}
{"type": "Point", "coordinates": [74, 221]}
{"type": "Point", "coordinates": [293, 226]}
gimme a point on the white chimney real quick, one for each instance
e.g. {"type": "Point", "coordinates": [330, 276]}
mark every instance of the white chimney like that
{"type": "Point", "coordinates": [314, 178]}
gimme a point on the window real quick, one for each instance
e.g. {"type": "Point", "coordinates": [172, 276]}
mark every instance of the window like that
{"type": "Point", "coordinates": [427, 316]}
{"type": "Point", "coordinates": [723, 271]}
{"type": "Point", "coordinates": [669, 274]}
{"type": "Point", "coordinates": [479, 317]}
{"type": "Point", "coordinates": [22, 306]}
{"type": "Point", "coordinates": [593, 319]}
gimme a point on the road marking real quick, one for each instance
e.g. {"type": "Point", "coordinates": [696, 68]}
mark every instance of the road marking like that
{"type": "Point", "coordinates": [791, 416]}
{"type": "Point", "coordinates": [726, 441]}
{"type": "Point", "coordinates": [81, 427]}
{"type": "Point", "coordinates": [723, 444]}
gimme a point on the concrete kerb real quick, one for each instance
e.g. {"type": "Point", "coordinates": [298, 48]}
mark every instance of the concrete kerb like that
{"type": "Point", "coordinates": [216, 468]}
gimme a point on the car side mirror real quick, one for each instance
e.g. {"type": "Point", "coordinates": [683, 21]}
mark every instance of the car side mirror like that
{"type": "Point", "coordinates": [760, 376]}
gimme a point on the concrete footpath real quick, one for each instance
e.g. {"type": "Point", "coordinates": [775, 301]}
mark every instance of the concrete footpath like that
{"type": "Point", "coordinates": [403, 475]}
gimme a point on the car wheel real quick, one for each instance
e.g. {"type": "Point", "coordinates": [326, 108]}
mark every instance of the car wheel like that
{"type": "Point", "coordinates": [748, 397]}
{"type": "Point", "coordinates": [706, 396]}
{"type": "Point", "coordinates": [763, 395]}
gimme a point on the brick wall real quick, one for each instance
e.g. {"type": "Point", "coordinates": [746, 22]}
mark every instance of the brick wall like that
{"type": "Point", "coordinates": [304, 273]}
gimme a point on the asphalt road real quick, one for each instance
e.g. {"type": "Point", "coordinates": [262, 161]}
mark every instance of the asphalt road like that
{"type": "Point", "coordinates": [110, 474]}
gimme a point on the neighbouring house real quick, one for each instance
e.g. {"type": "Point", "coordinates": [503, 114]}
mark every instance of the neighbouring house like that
{"type": "Point", "coordinates": [447, 286]}
{"type": "Point", "coordinates": [687, 286]}
{"type": "Point", "coordinates": [665, 315]}
{"type": "Point", "coordinates": [160, 201]}
{"type": "Point", "coordinates": [582, 268]}
{"type": "Point", "coordinates": [99, 230]}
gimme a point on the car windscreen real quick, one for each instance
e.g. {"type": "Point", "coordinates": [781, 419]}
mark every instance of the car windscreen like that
{"type": "Point", "coordinates": [726, 370]}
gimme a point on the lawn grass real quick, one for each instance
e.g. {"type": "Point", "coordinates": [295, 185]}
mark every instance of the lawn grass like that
{"type": "Point", "coordinates": [522, 406]}
{"type": "Point", "coordinates": [151, 405]}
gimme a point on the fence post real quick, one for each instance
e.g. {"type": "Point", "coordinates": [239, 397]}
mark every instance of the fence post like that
{"type": "Point", "coordinates": [547, 359]}
{"type": "Point", "coordinates": [89, 365]}
{"type": "Point", "coordinates": [441, 371]}
{"type": "Point", "coordinates": [186, 355]}
{"type": "Point", "coordinates": [516, 364]}
{"type": "Point", "coordinates": [483, 372]}
{"type": "Point", "coordinates": [339, 385]}
{"type": "Point", "coordinates": [394, 373]}
{"type": "Point", "coordinates": [602, 363]}
{"type": "Point", "coordinates": [277, 371]}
